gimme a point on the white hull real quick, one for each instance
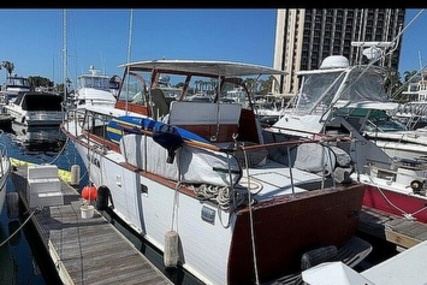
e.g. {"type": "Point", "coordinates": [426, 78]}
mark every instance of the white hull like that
{"type": "Point", "coordinates": [29, 110]}
{"type": "Point", "coordinates": [202, 170]}
{"type": "Point", "coordinates": [151, 214]}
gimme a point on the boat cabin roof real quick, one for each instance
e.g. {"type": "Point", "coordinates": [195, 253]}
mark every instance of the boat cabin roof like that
{"type": "Point", "coordinates": [203, 68]}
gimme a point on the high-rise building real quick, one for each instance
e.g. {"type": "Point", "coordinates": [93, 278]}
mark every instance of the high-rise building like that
{"type": "Point", "coordinates": [304, 37]}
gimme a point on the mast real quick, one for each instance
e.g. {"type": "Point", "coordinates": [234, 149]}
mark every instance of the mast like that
{"type": "Point", "coordinates": [65, 55]}
{"type": "Point", "coordinates": [129, 54]}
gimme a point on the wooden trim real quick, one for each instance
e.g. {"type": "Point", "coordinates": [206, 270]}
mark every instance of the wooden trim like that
{"type": "Point", "coordinates": [140, 109]}
{"type": "Point", "coordinates": [225, 132]}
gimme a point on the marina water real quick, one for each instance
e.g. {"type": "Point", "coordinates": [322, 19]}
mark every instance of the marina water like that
{"type": "Point", "coordinates": [20, 261]}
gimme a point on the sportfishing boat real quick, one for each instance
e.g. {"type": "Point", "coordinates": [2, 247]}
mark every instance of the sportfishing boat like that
{"type": "Point", "coordinates": [13, 85]}
{"type": "Point", "coordinates": [339, 99]}
{"type": "Point", "coordinates": [197, 181]}
{"type": "Point", "coordinates": [92, 89]}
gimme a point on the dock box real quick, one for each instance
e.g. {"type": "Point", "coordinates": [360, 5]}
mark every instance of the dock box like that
{"type": "Point", "coordinates": [44, 186]}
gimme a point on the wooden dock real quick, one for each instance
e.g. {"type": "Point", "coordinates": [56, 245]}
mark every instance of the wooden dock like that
{"type": "Point", "coordinates": [86, 251]}
{"type": "Point", "coordinates": [403, 232]}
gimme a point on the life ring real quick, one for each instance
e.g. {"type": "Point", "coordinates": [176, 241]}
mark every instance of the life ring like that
{"type": "Point", "coordinates": [103, 195]}
{"type": "Point", "coordinates": [416, 186]}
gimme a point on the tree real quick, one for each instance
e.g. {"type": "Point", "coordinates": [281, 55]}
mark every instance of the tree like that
{"type": "Point", "coordinates": [267, 85]}
{"type": "Point", "coordinates": [37, 81]}
{"type": "Point", "coordinates": [9, 66]}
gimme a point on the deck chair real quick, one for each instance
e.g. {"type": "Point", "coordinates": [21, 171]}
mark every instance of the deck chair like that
{"type": "Point", "coordinates": [160, 106]}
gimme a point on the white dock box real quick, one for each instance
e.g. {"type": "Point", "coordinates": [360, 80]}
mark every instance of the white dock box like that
{"type": "Point", "coordinates": [44, 186]}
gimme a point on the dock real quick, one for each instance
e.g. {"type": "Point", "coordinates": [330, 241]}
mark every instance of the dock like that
{"type": "Point", "coordinates": [86, 250]}
{"type": "Point", "coordinates": [402, 232]}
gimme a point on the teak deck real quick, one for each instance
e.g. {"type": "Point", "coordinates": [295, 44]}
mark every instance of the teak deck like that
{"type": "Point", "coordinates": [392, 228]}
{"type": "Point", "coordinates": [87, 251]}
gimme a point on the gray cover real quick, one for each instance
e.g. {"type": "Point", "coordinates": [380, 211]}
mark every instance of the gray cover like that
{"type": "Point", "coordinates": [195, 165]}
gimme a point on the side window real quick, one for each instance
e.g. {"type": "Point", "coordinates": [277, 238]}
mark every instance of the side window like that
{"type": "Point", "coordinates": [132, 90]}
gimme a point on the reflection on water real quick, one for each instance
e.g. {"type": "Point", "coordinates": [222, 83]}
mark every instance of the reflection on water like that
{"type": "Point", "coordinates": [38, 139]}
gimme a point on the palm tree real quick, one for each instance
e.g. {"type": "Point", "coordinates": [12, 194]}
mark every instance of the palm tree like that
{"type": "Point", "coordinates": [9, 66]}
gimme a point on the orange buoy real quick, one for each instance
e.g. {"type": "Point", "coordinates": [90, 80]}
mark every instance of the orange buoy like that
{"type": "Point", "coordinates": [89, 193]}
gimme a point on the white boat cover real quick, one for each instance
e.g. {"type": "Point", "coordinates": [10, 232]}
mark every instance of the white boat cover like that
{"type": "Point", "coordinates": [333, 273]}
{"type": "Point", "coordinates": [191, 165]}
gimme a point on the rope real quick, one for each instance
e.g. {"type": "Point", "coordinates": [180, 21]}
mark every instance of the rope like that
{"type": "Point", "coordinates": [18, 229]}
{"type": "Point", "coordinates": [405, 214]}
{"type": "Point", "coordinates": [245, 154]}
{"type": "Point", "coordinates": [60, 152]}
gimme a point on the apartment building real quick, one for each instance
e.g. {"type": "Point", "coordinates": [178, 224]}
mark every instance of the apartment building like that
{"type": "Point", "coordinates": [304, 37]}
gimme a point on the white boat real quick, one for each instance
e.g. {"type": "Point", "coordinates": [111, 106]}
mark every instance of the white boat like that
{"type": "Point", "coordinates": [350, 100]}
{"type": "Point", "coordinates": [406, 267]}
{"type": "Point", "coordinates": [13, 85]}
{"type": "Point", "coordinates": [269, 112]}
{"type": "Point", "coordinates": [197, 181]}
{"type": "Point", "coordinates": [35, 109]}
{"type": "Point", "coordinates": [413, 113]}
{"type": "Point", "coordinates": [92, 89]}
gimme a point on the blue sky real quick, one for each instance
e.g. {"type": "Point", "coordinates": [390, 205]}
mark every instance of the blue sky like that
{"type": "Point", "coordinates": [33, 38]}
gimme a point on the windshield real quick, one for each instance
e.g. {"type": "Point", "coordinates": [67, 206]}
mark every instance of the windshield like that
{"type": "Point", "coordinates": [365, 85]}
{"type": "Point", "coordinates": [379, 121]}
{"type": "Point", "coordinates": [18, 81]}
{"type": "Point", "coordinates": [320, 89]}
{"type": "Point", "coordinates": [94, 82]}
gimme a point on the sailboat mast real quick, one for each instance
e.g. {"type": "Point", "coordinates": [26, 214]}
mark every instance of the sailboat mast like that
{"type": "Point", "coordinates": [65, 55]}
{"type": "Point", "coordinates": [129, 54]}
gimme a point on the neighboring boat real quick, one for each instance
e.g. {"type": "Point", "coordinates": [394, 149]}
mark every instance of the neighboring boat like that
{"type": "Point", "coordinates": [269, 111]}
{"type": "Point", "coordinates": [340, 99]}
{"type": "Point", "coordinates": [93, 89]}
{"type": "Point", "coordinates": [31, 109]}
{"type": "Point", "coordinates": [406, 267]}
{"type": "Point", "coordinates": [13, 85]}
{"type": "Point", "coordinates": [196, 180]}
{"type": "Point", "coordinates": [413, 113]}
